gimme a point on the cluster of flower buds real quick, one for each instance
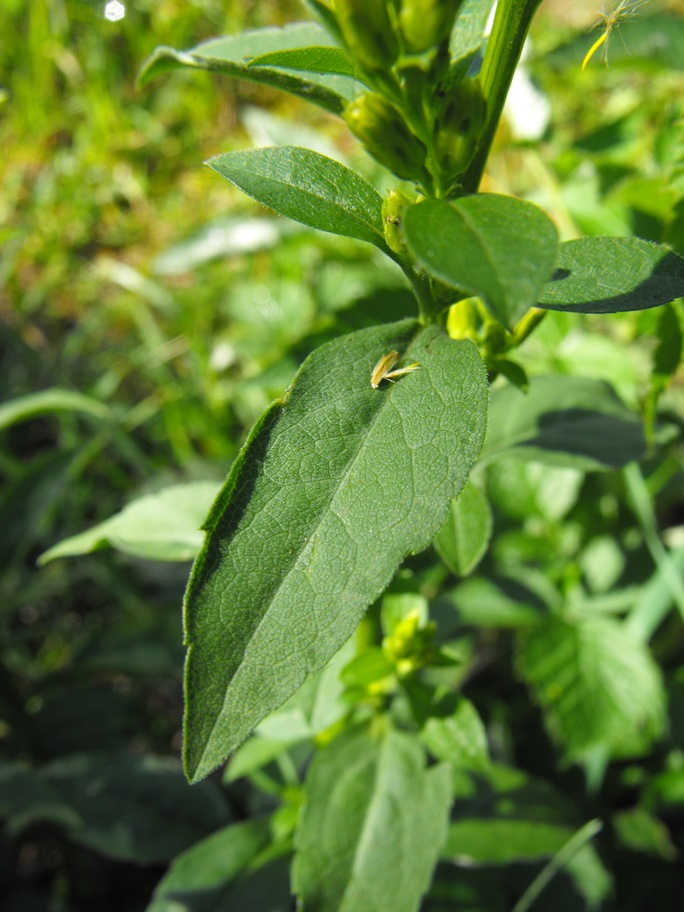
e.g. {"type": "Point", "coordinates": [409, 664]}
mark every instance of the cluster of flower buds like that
{"type": "Point", "coordinates": [400, 48]}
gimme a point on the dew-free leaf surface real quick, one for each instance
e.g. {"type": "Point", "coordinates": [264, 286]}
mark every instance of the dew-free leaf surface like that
{"type": "Point", "coordinates": [499, 248]}
{"type": "Point", "coordinates": [337, 483]}
{"type": "Point", "coordinates": [372, 826]}
{"type": "Point", "coordinates": [309, 188]}
{"type": "Point", "coordinates": [611, 274]}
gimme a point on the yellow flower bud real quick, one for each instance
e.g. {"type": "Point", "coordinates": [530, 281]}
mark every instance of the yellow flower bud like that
{"type": "Point", "coordinates": [382, 130]}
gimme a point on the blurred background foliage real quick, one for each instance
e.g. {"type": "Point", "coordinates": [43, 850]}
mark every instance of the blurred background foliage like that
{"type": "Point", "coordinates": [163, 310]}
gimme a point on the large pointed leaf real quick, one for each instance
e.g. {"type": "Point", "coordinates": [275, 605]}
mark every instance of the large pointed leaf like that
{"type": "Point", "coordinates": [497, 247]}
{"type": "Point", "coordinates": [231, 54]}
{"type": "Point", "coordinates": [309, 188]}
{"type": "Point", "coordinates": [374, 820]}
{"type": "Point", "coordinates": [611, 274]}
{"type": "Point", "coordinates": [336, 485]}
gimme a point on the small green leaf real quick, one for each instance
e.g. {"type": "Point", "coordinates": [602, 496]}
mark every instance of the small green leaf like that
{"type": "Point", "coordinates": [163, 526]}
{"type": "Point", "coordinates": [497, 603]}
{"type": "Point", "coordinates": [564, 421]}
{"type": "Point", "coordinates": [641, 831]}
{"type": "Point", "coordinates": [309, 188]}
{"type": "Point", "coordinates": [231, 54]}
{"type": "Point", "coordinates": [611, 274]}
{"type": "Point", "coordinates": [596, 684]}
{"type": "Point", "coordinates": [336, 485]}
{"type": "Point", "coordinates": [468, 32]}
{"type": "Point", "coordinates": [157, 814]}
{"type": "Point", "coordinates": [459, 738]}
{"type": "Point", "coordinates": [463, 539]}
{"type": "Point", "coordinates": [201, 878]}
{"type": "Point", "coordinates": [499, 248]}
{"type": "Point", "coordinates": [372, 826]}
{"type": "Point", "coordinates": [311, 59]}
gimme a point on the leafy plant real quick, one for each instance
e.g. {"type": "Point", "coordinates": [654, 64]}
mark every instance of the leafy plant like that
{"type": "Point", "coordinates": [431, 429]}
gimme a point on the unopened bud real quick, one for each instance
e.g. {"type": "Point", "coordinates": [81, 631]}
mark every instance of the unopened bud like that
{"type": "Point", "coordinates": [382, 130]}
{"type": "Point", "coordinates": [426, 23]}
{"type": "Point", "coordinates": [393, 207]}
{"type": "Point", "coordinates": [458, 125]}
{"type": "Point", "coordinates": [367, 32]}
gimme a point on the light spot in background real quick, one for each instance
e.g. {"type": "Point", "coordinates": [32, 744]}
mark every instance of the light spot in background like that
{"type": "Point", "coordinates": [114, 10]}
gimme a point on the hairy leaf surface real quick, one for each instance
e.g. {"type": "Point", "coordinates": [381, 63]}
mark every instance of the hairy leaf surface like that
{"type": "Point", "coordinates": [336, 485]}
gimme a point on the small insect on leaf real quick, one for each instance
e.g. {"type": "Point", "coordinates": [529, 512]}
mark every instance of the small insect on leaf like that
{"type": "Point", "coordinates": [383, 369]}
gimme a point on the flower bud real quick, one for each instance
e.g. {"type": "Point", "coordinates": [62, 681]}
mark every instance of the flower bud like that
{"type": "Point", "coordinates": [367, 32]}
{"type": "Point", "coordinates": [458, 126]}
{"type": "Point", "coordinates": [393, 207]}
{"type": "Point", "coordinates": [382, 130]}
{"type": "Point", "coordinates": [426, 23]}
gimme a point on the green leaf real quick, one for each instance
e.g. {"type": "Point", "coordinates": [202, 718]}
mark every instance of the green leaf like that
{"type": "Point", "coordinates": [162, 526]}
{"type": "Point", "coordinates": [230, 56]}
{"type": "Point", "coordinates": [611, 274]}
{"type": "Point", "coordinates": [468, 32]}
{"type": "Point", "coordinates": [201, 879]}
{"type": "Point", "coordinates": [372, 826]}
{"type": "Point", "coordinates": [505, 816]}
{"type": "Point", "coordinates": [463, 539]}
{"type": "Point", "coordinates": [564, 421]}
{"type": "Point", "coordinates": [458, 738]}
{"type": "Point", "coordinates": [641, 831]}
{"type": "Point", "coordinates": [156, 813]}
{"type": "Point", "coordinates": [309, 188]}
{"type": "Point", "coordinates": [497, 603]}
{"type": "Point", "coordinates": [497, 247]}
{"type": "Point", "coordinates": [596, 684]}
{"type": "Point", "coordinates": [311, 59]}
{"type": "Point", "coordinates": [337, 483]}
{"type": "Point", "coordinates": [51, 400]}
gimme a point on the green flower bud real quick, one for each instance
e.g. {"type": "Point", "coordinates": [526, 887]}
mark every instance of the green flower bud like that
{"type": "Point", "coordinates": [392, 213]}
{"type": "Point", "coordinates": [367, 32]}
{"type": "Point", "coordinates": [382, 130]}
{"type": "Point", "coordinates": [426, 23]}
{"type": "Point", "coordinates": [458, 126]}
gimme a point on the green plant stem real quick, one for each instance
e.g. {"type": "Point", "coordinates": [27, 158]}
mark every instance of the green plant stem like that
{"type": "Point", "coordinates": [505, 44]}
{"type": "Point", "coordinates": [559, 860]}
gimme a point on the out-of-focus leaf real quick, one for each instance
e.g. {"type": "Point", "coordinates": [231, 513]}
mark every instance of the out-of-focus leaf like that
{"type": "Point", "coordinates": [564, 421]}
{"type": "Point", "coordinates": [463, 539]}
{"type": "Point", "coordinates": [595, 683]}
{"type": "Point", "coordinates": [372, 826]}
{"type": "Point", "coordinates": [163, 526]}
{"type": "Point", "coordinates": [201, 879]}
{"type": "Point", "coordinates": [458, 738]}
{"type": "Point", "coordinates": [231, 55]}
{"type": "Point", "coordinates": [134, 809]}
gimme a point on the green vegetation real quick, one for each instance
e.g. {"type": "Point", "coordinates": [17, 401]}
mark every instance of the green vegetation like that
{"type": "Point", "coordinates": [434, 623]}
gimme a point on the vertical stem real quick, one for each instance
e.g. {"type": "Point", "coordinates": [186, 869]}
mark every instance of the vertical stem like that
{"type": "Point", "coordinates": [505, 44]}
